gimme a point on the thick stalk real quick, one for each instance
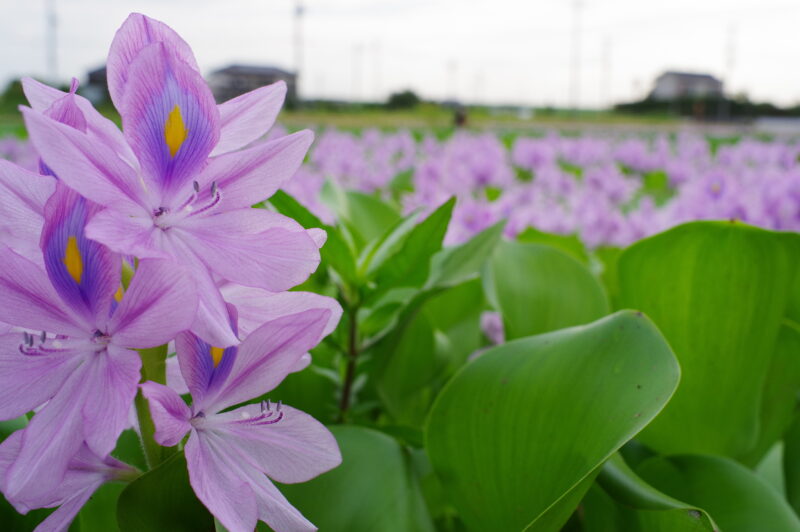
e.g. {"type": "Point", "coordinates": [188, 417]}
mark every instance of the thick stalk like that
{"type": "Point", "coordinates": [352, 360]}
{"type": "Point", "coordinates": [154, 368]}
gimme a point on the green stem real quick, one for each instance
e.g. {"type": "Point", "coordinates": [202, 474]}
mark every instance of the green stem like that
{"type": "Point", "coordinates": [154, 368]}
{"type": "Point", "coordinates": [352, 360]}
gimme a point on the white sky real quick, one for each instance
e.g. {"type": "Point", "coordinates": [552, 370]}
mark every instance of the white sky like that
{"type": "Point", "coordinates": [497, 51]}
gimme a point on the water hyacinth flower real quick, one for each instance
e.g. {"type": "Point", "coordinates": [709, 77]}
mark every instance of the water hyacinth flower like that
{"type": "Point", "coordinates": [184, 193]}
{"type": "Point", "coordinates": [75, 355]}
{"type": "Point", "coordinates": [85, 474]}
{"type": "Point", "coordinates": [230, 454]}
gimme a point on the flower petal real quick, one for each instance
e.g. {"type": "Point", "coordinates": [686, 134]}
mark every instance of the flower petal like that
{"type": "Point", "coordinates": [113, 377]}
{"type": "Point", "coordinates": [249, 116]}
{"type": "Point", "coordinates": [267, 356]}
{"type": "Point", "coordinates": [175, 379]}
{"type": "Point", "coordinates": [170, 120]}
{"type": "Point", "coordinates": [249, 176]}
{"type": "Point", "coordinates": [128, 233]}
{"type": "Point", "coordinates": [160, 302]}
{"type": "Point", "coordinates": [170, 414]}
{"type": "Point", "coordinates": [28, 381]}
{"type": "Point", "coordinates": [24, 194]}
{"type": "Point", "coordinates": [225, 495]}
{"type": "Point", "coordinates": [27, 299]}
{"type": "Point", "coordinates": [85, 273]}
{"type": "Point", "coordinates": [253, 247]}
{"type": "Point", "coordinates": [294, 449]}
{"type": "Point", "coordinates": [216, 474]}
{"type": "Point", "coordinates": [89, 167]}
{"type": "Point", "coordinates": [256, 306]}
{"type": "Point", "coordinates": [60, 520]}
{"type": "Point", "coordinates": [53, 436]}
{"type": "Point", "coordinates": [41, 97]}
{"type": "Point", "coordinates": [137, 32]}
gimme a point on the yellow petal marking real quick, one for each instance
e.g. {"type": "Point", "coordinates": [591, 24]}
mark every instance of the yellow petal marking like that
{"type": "Point", "coordinates": [118, 294]}
{"type": "Point", "coordinates": [175, 131]}
{"type": "Point", "coordinates": [72, 259]}
{"type": "Point", "coordinates": [216, 355]}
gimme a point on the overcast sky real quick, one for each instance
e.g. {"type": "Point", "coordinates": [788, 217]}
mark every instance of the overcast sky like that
{"type": "Point", "coordinates": [496, 51]}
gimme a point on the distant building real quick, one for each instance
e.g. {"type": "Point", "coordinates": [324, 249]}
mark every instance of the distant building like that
{"type": "Point", "coordinates": [675, 85]}
{"type": "Point", "coordinates": [96, 87]}
{"type": "Point", "coordinates": [234, 80]}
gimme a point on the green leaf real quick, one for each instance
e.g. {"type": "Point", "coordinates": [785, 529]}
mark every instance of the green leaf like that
{"type": "Point", "coordinates": [791, 464]}
{"type": "Point", "coordinates": [99, 514]}
{"type": "Point", "coordinates": [288, 206]}
{"type": "Point", "coordinates": [455, 264]}
{"type": "Point", "coordinates": [374, 488]}
{"type": "Point", "coordinates": [377, 251]}
{"type": "Point", "coordinates": [423, 354]}
{"type": "Point", "coordinates": [367, 217]}
{"type": "Point", "coordinates": [162, 499]}
{"type": "Point", "coordinates": [538, 288]}
{"type": "Point", "coordinates": [646, 508]}
{"type": "Point", "coordinates": [737, 499]}
{"type": "Point", "coordinates": [718, 292]}
{"type": "Point", "coordinates": [569, 244]}
{"type": "Point", "coordinates": [527, 424]}
{"type": "Point", "coordinates": [606, 258]}
{"type": "Point", "coordinates": [410, 264]}
{"type": "Point", "coordinates": [781, 390]}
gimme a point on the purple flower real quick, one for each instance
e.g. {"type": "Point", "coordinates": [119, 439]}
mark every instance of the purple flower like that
{"type": "Point", "coordinates": [77, 362]}
{"type": "Point", "coordinates": [85, 474]}
{"type": "Point", "coordinates": [231, 453]}
{"type": "Point", "coordinates": [174, 187]}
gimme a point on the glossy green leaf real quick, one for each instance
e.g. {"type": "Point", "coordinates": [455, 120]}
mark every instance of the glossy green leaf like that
{"type": "Point", "coordinates": [644, 508]}
{"type": "Point", "coordinates": [737, 499]}
{"type": "Point", "coordinates": [455, 264]}
{"type": "Point", "coordinates": [791, 464]}
{"type": "Point", "coordinates": [430, 348]}
{"type": "Point", "coordinates": [569, 244]}
{"type": "Point", "coordinates": [538, 288]}
{"type": "Point", "coordinates": [374, 488]}
{"type": "Point", "coordinates": [718, 292]}
{"type": "Point", "coordinates": [162, 499]}
{"type": "Point", "coordinates": [781, 391]}
{"type": "Point", "coordinates": [410, 264]}
{"type": "Point", "coordinates": [367, 217]}
{"type": "Point", "coordinates": [517, 429]}
{"type": "Point", "coordinates": [99, 514]}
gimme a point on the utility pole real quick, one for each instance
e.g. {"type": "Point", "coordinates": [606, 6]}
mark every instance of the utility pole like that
{"type": "Point", "coordinates": [51, 46]}
{"type": "Point", "coordinates": [452, 76]}
{"type": "Point", "coordinates": [376, 70]}
{"type": "Point", "coordinates": [299, 11]}
{"type": "Point", "coordinates": [607, 96]}
{"type": "Point", "coordinates": [358, 50]}
{"type": "Point", "coordinates": [730, 62]}
{"type": "Point", "coordinates": [575, 81]}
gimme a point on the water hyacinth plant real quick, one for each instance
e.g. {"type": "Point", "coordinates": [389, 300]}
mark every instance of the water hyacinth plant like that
{"type": "Point", "coordinates": [204, 328]}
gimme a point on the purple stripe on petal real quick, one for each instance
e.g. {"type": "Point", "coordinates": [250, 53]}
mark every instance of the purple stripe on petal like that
{"type": "Point", "coordinates": [137, 32]}
{"type": "Point", "coordinates": [85, 273]}
{"type": "Point", "coordinates": [66, 110]}
{"type": "Point", "coordinates": [170, 119]}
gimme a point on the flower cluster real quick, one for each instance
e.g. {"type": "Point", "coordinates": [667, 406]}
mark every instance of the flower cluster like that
{"type": "Point", "coordinates": [610, 189]}
{"type": "Point", "coordinates": [128, 240]}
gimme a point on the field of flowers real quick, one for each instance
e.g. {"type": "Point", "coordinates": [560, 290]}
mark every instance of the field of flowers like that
{"type": "Point", "coordinates": [208, 323]}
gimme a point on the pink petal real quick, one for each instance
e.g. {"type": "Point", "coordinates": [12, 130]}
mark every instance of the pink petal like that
{"type": "Point", "coordinates": [256, 306]}
{"type": "Point", "coordinates": [295, 449]}
{"type": "Point", "coordinates": [216, 474]}
{"type": "Point", "coordinates": [253, 247]}
{"type": "Point", "coordinates": [159, 86]}
{"type": "Point", "coordinates": [60, 520]}
{"type": "Point", "coordinates": [267, 356]}
{"type": "Point", "coordinates": [249, 116]}
{"type": "Point", "coordinates": [27, 381]}
{"type": "Point", "coordinates": [160, 302]}
{"type": "Point", "coordinates": [170, 414]}
{"type": "Point", "coordinates": [174, 378]}
{"type": "Point", "coordinates": [113, 378]}
{"type": "Point", "coordinates": [24, 194]}
{"type": "Point", "coordinates": [249, 176]}
{"type": "Point", "coordinates": [89, 167]}
{"type": "Point", "coordinates": [137, 32]}
{"type": "Point", "coordinates": [128, 233]}
{"type": "Point", "coordinates": [225, 494]}
{"type": "Point", "coordinates": [41, 97]}
{"type": "Point", "coordinates": [28, 299]}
